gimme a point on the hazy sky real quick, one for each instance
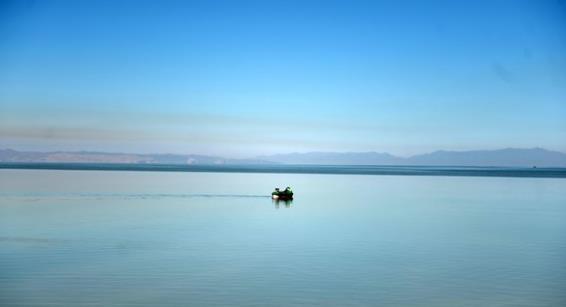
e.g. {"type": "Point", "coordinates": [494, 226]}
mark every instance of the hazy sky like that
{"type": "Point", "coordinates": [240, 78]}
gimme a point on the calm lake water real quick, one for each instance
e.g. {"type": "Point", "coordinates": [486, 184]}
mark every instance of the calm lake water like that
{"type": "Point", "coordinates": [119, 238]}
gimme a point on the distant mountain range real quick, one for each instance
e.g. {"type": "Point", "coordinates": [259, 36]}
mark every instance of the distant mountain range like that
{"type": "Point", "coordinates": [9, 155]}
{"type": "Point", "coordinates": [503, 157]}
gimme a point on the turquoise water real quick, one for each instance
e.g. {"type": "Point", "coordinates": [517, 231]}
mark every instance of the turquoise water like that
{"type": "Point", "coordinates": [119, 238]}
{"type": "Point", "coordinates": [413, 170]}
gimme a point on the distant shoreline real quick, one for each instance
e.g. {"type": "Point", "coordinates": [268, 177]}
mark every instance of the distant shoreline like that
{"type": "Point", "coordinates": [545, 172]}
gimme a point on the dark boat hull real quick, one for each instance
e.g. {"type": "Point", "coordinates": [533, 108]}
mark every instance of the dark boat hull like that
{"type": "Point", "coordinates": [282, 196]}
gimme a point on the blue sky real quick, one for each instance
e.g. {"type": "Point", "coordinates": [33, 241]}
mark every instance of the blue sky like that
{"type": "Point", "coordinates": [244, 78]}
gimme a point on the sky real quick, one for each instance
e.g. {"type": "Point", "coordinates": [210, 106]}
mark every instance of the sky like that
{"type": "Point", "coordinates": [242, 78]}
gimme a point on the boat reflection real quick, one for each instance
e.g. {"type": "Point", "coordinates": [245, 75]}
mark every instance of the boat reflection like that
{"type": "Point", "coordinates": [278, 202]}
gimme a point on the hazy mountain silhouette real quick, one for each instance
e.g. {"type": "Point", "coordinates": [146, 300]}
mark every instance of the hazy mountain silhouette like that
{"type": "Point", "coordinates": [347, 158]}
{"type": "Point", "coordinates": [503, 157]}
{"type": "Point", "coordinates": [538, 157]}
{"type": "Point", "coordinates": [9, 155]}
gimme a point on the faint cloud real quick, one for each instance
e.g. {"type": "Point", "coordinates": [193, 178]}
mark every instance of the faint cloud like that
{"type": "Point", "coordinates": [66, 133]}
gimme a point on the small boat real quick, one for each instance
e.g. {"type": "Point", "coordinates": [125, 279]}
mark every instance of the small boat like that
{"type": "Point", "coordinates": [286, 194]}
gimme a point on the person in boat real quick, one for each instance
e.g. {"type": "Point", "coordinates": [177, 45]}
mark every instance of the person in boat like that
{"type": "Point", "coordinates": [276, 192]}
{"type": "Point", "coordinates": [288, 191]}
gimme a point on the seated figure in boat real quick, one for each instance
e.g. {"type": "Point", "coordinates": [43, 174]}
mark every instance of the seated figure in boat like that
{"type": "Point", "coordinates": [275, 193]}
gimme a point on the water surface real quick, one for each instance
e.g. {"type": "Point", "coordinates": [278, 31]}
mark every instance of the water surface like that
{"type": "Point", "coordinates": [407, 170]}
{"type": "Point", "coordinates": [101, 238]}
